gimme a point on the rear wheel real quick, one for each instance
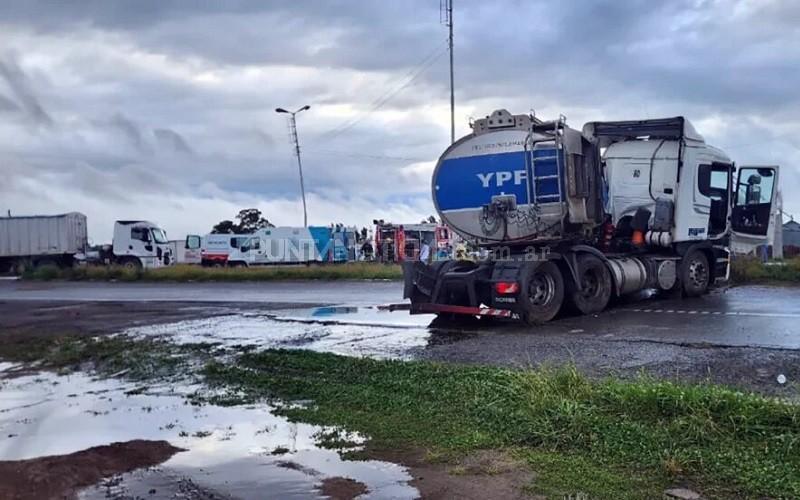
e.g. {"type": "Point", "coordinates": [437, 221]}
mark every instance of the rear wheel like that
{"type": "Point", "coordinates": [595, 280]}
{"type": "Point", "coordinates": [542, 292]}
{"type": "Point", "coordinates": [695, 274]}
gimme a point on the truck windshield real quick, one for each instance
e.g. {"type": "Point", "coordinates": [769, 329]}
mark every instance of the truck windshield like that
{"type": "Point", "coordinates": [159, 236]}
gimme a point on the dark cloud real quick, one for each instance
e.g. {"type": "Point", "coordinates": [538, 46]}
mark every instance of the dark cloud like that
{"type": "Point", "coordinates": [172, 140]}
{"type": "Point", "coordinates": [21, 89]}
{"type": "Point", "coordinates": [7, 104]}
{"type": "Point", "coordinates": [129, 130]}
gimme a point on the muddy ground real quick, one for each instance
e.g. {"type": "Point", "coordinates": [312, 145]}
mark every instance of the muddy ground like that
{"type": "Point", "coordinates": [62, 475]}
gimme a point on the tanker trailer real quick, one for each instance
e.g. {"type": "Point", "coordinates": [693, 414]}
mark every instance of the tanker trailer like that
{"type": "Point", "coordinates": [570, 219]}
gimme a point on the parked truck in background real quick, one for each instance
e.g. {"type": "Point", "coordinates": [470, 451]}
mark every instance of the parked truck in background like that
{"type": "Point", "coordinates": [573, 218]}
{"type": "Point", "coordinates": [294, 245]}
{"type": "Point", "coordinates": [62, 240]}
{"type": "Point", "coordinates": [31, 241]}
{"type": "Point", "coordinates": [402, 242]}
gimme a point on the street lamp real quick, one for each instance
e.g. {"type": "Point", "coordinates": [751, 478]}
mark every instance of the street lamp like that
{"type": "Point", "coordinates": [296, 140]}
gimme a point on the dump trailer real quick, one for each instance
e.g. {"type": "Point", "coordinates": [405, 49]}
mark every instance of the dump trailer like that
{"type": "Point", "coordinates": [41, 240]}
{"type": "Point", "coordinates": [569, 219]}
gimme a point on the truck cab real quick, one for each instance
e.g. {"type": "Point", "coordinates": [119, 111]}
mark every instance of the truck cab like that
{"type": "Point", "coordinates": [141, 244]}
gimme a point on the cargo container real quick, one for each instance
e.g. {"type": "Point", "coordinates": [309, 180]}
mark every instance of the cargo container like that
{"type": "Point", "coordinates": [42, 239]}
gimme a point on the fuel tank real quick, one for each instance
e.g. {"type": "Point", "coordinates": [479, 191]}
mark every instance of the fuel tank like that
{"type": "Point", "coordinates": [517, 179]}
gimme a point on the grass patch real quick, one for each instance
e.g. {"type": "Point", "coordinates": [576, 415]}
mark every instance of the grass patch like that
{"type": "Point", "coordinates": [751, 270]}
{"type": "Point", "coordinates": [608, 439]}
{"type": "Point", "coordinates": [138, 358]}
{"type": "Point", "coordinates": [184, 273]}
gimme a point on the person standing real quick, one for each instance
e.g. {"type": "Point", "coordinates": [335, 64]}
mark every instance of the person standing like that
{"type": "Point", "coordinates": [425, 252]}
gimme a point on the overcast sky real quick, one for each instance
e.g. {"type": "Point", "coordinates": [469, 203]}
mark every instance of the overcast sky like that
{"type": "Point", "coordinates": [164, 110]}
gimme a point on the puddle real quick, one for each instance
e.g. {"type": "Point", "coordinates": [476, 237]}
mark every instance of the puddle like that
{"type": "Point", "coordinates": [243, 451]}
{"type": "Point", "coordinates": [349, 331]}
{"type": "Point", "coordinates": [350, 315]}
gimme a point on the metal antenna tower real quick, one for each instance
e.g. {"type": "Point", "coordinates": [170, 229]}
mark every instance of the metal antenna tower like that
{"type": "Point", "coordinates": [446, 18]}
{"type": "Point", "coordinates": [296, 142]}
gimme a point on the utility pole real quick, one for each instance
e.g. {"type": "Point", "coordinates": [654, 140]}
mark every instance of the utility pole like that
{"type": "Point", "coordinates": [446, 14]}
{"type": "Point", "coordinates": [296, 142]}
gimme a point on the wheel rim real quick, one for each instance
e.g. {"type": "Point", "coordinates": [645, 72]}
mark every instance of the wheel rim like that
{"type": "Point", "coordinates": [542, 289]}
{"type": "Point", "coordinates": [698, 273]}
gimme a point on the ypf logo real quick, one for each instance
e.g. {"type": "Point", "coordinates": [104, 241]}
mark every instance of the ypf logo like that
{"type": "Point", "coordinates": [499, 179]}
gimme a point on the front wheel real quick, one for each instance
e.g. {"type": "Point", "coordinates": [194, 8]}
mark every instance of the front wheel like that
{"type": "Point", "coordinates": [595, 280]}
{"type": "Point", "coordinates": [132, 263]}
{"type": "Point", "coordinates": [695, 274]}
{"type": "Point", "coordinates": [542, 292]}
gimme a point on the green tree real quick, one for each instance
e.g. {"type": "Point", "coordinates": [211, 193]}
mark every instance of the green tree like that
{"type": "Point", "coordinates": [224, 227]}
{"type": "Point", "coordinates": [249, 221]}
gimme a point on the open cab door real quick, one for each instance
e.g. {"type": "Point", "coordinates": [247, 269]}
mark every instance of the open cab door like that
{"type": "Point", "coordinates": [755, 196]}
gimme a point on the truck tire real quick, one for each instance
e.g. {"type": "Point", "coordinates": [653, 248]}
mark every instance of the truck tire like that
{"type": "Point", "coordinates": [596, 286]}
{"type": "Point", "coordinates": [131, 263]}
{"type": "Point", "coordinates": [542, 292]}
{"type": "Point", "coordinates": [695, 273]}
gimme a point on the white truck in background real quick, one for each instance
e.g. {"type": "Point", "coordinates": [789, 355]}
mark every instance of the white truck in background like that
{"type": "Point", "coordinates": [62, 240]}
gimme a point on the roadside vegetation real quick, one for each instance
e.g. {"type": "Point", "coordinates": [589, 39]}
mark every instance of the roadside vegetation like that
{"type": "Point", "coordinates": [605, 439]}
{"type": "Point", "coordinates": [190, 273]}
{"type": "Point", "coordinates": [748, 270]}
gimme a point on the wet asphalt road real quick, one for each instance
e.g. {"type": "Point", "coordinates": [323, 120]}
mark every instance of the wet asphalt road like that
{"type": "Point", "coordinates": [742, 316]}
{"type": "Point", "coordinates": [334, 292]}
{"type": "Point", "coordinates": [747, 337]}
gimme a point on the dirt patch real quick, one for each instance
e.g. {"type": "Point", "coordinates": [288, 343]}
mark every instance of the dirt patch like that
{"type": "Point", "coordinates": [342, 488]}
{"type": "Point", "coordinates": [60, 476]}
{"type": "Point", "coordinates": [483, 474]}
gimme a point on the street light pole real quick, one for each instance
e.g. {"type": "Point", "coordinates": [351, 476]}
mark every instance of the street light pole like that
{"type": "Point", "coordinates": [296, 141]}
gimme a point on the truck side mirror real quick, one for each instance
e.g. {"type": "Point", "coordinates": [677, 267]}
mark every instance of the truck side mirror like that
{"type": "Point", "coordinates": [244, 249]}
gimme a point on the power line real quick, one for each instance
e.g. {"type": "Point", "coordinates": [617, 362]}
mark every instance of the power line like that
{"type": "Point", "coordinates": [411, 76]}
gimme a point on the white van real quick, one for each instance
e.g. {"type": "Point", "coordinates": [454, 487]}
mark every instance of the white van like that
{"type": "Point", "coordinates": [215, 248]}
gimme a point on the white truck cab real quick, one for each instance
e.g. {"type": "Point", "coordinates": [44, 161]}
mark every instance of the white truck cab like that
{"type": "Point", "coordinates": [141, 244]}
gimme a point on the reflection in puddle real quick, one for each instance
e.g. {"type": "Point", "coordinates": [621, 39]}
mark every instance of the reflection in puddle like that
{"type": "Point", "coordinates": [242, 451]}
{"type": "Point", "coordinates": [371, 332]}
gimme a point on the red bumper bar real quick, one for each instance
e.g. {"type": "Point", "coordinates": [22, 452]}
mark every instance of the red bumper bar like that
{"type": "Point", "coordinates": [468, 310]}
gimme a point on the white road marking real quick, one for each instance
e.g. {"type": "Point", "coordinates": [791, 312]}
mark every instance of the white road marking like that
{"type": "Point", "coordinates": [717, 313]}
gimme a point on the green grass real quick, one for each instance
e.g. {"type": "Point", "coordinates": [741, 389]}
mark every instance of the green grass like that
{"type": "Point", "coordinates": [608, 439]}
{"type": "Point", "coordinates": [751, 270]}
{"type": "Point", "coordinates": [185, 273]}
{"type": "Point", "coordinates": [138, 358]}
